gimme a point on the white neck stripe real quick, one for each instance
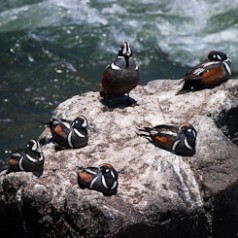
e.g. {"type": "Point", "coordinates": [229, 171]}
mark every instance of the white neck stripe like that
{"type": "Point", "coordinates": [114, 185]}
{"type": "Point", "coordinates": [92, 182]}
{"type": "Point", "coordinates": [187, 145]}
{"type": "Point", "coordinates": [69, 139]}
{"type": "Point", "coordinates": [227, 68]}
{"type": "Point", "coordinates": [104, 182]}
{"type": "Point", "coordinates": [175, 145]}
{"type": "Point", "coordinates": [114, 66]}
{"type": "Point", "coordinates": [78, 133]}
{"type": "Point", "coordinates": [31, 158]}
{"type": "Point", "coordinates": [20, 164]}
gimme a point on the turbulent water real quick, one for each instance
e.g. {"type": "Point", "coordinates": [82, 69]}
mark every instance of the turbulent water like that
{"type": "Point", "coordinates": [51, 50]}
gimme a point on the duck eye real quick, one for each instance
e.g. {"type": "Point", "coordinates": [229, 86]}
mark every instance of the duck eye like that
{"type": "Point", "coordinates": [76, 122]}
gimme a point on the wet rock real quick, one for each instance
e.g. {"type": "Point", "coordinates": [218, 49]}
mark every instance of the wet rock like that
{"type": "Point", "coordinates": [159, 193]}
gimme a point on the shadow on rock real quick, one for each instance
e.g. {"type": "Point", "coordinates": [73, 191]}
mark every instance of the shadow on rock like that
{"type": "Point", "coordinates": [174, 227]}
{"type": "Point", "coordinates": [225, 213]}
{"type": "Point", "coordinates": [121, 101]}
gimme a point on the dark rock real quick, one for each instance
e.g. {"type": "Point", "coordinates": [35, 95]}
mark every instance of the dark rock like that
{"type": "Point", "coordinates": [227, 121]}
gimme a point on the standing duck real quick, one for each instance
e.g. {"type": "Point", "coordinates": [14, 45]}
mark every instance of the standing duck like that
{"type": "Point", "coordinates": [120, 77]}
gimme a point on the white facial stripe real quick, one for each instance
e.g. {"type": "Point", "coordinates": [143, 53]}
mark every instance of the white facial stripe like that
{"type": "Point", "coordinates": [34, 147]}
{"type": "Point", "coordinates": [104, 182]}
{"type": "Point", "coordinates": [115, 67]}
{"type": "Point", "coordinates": [129, 50]}
{"type": "Point", "coordinates": [114, 185]}
{"type": "Point", "coordinates": [69, 139]}
{"type": "Point", "coordinates": [38, 144]}
{"type": "Point", "coordinates": [227, 68]}
{"type": "Point", "coordinates": [189, 130]}
{"type": "Point", "coordinates": [78, 133]}
{"type": "Point", "coordinates": [113, 175]}
{"type": "Point", "coordinates": [175, 145]}
{"type": "Point", "coordinates": [219, 57]}
{"type": "Point", "coordinates": [124, 49]}
{"type": "Point", "coordinates": [20, 164]}
{"type": "Point", "coordinates": [92, 182]}
{"type": "Point", "coordinates": [194, 133]}
{"type": "Point", "coordinates": [85, 122]}
{"type": "Point", "coordinates": [187, 145]}
{"type": "Point", "coordinates": [31, 158]}
{"type": "Point", "coordinates": [136, 68]}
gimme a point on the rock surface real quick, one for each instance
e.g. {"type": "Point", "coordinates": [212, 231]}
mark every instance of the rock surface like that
{"type": "Point", "coordinates": [159, 195]}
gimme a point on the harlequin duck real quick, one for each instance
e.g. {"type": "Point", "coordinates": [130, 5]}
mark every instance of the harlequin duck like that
{"type": "Point", "coordinates": [31, 160]}
{"type": "Point", "coordinates": [215, 70]}
{"type": "Point", "coordinates": [178, 140]}
{"type": "Point", "coordinates": [120, 77]}
{"type": "Point", "coordinates": [102, 179]}
{"type": "Point", "coordinates": [69, 134]}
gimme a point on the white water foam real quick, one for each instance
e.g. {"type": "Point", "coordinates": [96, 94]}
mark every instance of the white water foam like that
{"type": "Point", "coordinates": [184, 30]}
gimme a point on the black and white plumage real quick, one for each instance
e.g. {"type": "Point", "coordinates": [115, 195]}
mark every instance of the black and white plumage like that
{"type": "Point", "coordinates": [69, 134]}
{"type": "Point", "coordinates": [178, 140]}
{"type": "Point", "coordinates": [31, 160]}
{"type": "Point", "coordinates": [215, 70]}
{"type": "Point", "coordinates": [120, 76]}
{"type": "Point", "coordinates": [103, 179]}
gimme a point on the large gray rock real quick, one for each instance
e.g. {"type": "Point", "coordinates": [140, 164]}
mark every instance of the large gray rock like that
{"type": "Point", "coordinates": [159, 195]}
